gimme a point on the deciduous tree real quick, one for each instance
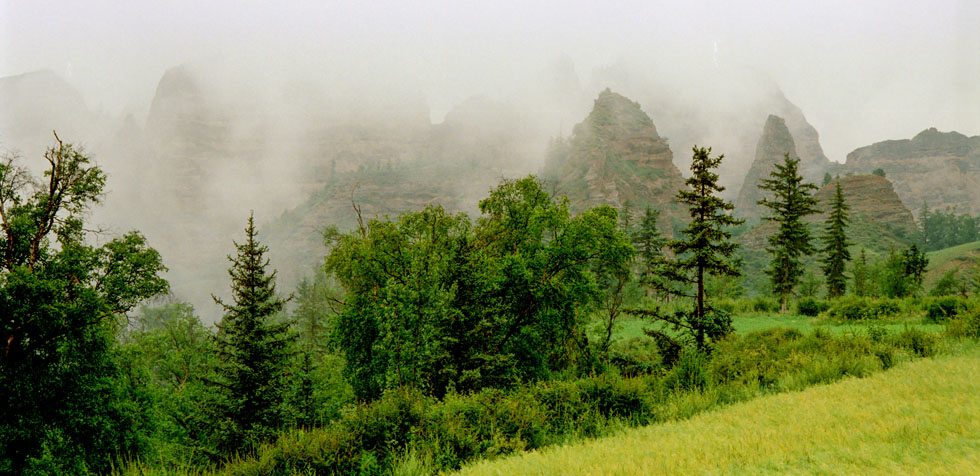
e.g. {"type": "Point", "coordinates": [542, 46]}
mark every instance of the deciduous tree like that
{"type": "Point", "coordinates": [61, 410]}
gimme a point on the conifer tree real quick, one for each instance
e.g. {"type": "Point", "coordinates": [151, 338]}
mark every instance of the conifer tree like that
{"type": "Point", "coordinates": [253, 352]}
{"type": "Point", "coordinates": [704, 249]}
{"type": "Point", "coordinates": [791, 201]}
{"type": "Point", "coordinates": [836, 254]}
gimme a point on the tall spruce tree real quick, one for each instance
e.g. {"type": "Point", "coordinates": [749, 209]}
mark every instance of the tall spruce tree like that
{"type": "Point", "coordinates": [792, 199]}
{"type": "Point", "coordinates": [836, 254]}
{"type": "Point", "coordinates": [704, 249]}
{"type": "Point", "coordinates": [253, 352]}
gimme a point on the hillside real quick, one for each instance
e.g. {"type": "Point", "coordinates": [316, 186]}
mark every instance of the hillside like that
{"type": "Point", "coordinates": [919, 418]}
{"type": "Point", "coordinates": [936, 169]}
{"type": "Point", "coordinates": [964, 258]}
{"type": "Point", "coordinates": [879, 222]}
{"type": "Point", "coordinates": [615, 156]}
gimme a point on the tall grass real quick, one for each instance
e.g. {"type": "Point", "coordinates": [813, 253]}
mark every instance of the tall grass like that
{"type": "Point", "coordinates": [921, 418]}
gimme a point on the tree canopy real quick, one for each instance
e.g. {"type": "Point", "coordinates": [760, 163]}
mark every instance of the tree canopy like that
{"type": "Point", "coordinates": [438, 302]}
{"type": "Point", "coordinates": [60, 412]}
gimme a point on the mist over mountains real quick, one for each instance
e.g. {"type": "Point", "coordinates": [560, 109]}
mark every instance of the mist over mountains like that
{"type": "Point", "coordinates": [221, 139]}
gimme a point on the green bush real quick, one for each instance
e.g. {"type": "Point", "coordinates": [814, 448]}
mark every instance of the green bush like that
{"type": "Point", "coordinates": [917, 342]}
{"type": "Point", "coordinates": [761, 304]}
{"type": "Point", "coordinates": [966, 324]}
{"type": "Point", "coordinates": [943, 309]}
{"type": "Point", "coordinates": [855, 308]}
{"type": "Point", "coordinates": [405, 432]}
{"type": "Point", "coordinates": [636, 356]}
{"type": "Point", "coordinates": [810, 306]}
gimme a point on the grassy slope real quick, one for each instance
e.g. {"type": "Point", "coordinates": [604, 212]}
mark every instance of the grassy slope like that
{"type": "Point", "coordinates": [963, 257]}
{"type": "Point", "coordinates": [919, 418]}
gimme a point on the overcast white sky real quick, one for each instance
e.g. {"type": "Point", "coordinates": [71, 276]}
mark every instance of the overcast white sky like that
{"type": "Point", "coordinates": [862, 71]}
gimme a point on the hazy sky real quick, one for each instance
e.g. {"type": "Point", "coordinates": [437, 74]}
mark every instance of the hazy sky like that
{"type": "Point", "coordinates": [861, 71]}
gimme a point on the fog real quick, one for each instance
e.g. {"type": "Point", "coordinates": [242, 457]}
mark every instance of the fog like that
{"type": "Point", "coordinates": [266, 80]}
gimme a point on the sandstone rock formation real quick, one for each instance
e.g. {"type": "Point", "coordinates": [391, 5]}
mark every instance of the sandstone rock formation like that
{"type": "Point", "coordinates": [938, 169]}
{"type": "Point", "coordinates": [775, 142]}
{"type": "Point", "coordinates": [616, 156]}
{"type": "Point", "coordinates": [870, 198]}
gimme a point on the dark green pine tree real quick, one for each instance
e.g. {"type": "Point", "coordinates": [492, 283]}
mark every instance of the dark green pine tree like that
{"type": "Point", "coordinates": [253, 352]}
{"type": "Point", "coordinates": [836, 254]}
{"type": "Point", "coordinates": [705, 247]}
{"type": "Point", "coordinates": [792, 199]}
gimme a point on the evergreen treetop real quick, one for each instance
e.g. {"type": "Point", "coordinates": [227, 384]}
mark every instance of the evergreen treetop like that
{"type": "Point", "coordinates": [704, 249]}
{"type": "Point", "coordinates": [253, 351]}
{"type": "Point", "coordinates": [792, 199]}
{"type": "Point", "coordinates": [836, 254]}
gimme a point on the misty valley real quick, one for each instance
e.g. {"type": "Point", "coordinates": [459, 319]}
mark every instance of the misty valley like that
{"type": "Point", "coordinates": [645, 270]}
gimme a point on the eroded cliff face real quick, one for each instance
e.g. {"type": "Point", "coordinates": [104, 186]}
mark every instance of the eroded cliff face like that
{"type": "Point", "coordinates": [878, 220]}
{"type": "Point", "coordinates": [870, 197]}
{"type": "Point", "coordinates": [775, 142]}
{"type": "Point", "coordinates": [938, 169]}
{"type": "Point", "coordinates": [614, 157]}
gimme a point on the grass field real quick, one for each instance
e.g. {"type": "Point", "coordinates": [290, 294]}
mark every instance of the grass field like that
{"type": "Point", "coordinates": [919, 418]}
{"type": "Point", "coordinates": [746, 323]}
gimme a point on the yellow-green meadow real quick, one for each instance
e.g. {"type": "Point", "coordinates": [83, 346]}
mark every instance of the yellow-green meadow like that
{"type": "Point", "coordinates": [922, 417]}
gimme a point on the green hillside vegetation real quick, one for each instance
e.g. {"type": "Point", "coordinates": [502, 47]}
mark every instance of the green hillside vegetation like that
{"type": "Point", "coordinates": [433, 336]}
{"type": "Point", "coordinates": [918, 418]}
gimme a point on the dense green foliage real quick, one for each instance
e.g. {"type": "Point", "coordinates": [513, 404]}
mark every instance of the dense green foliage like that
{"type": "Point", "coordinates": [436, 302]}
{"type": "Point", "coordinates": [252, 353]}
{"type": "Point", "coordinates": [406, 430]}
{"type": "Point", "coordinates": [791, 200]}
{"type": "Point", "coordinates": [62, 410]}
{"type": "Point", "coordinates": [943, 229]}
{"type": "Point", "coordinates": [425, 341]}
{"type": "Point", "coordinates": [169, 356]}
{"type": "Point", "coordinates": [835, 246]}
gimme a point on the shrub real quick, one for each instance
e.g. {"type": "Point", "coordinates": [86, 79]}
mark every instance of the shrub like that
{"type": "Point", "coordinates": [810, 306]}
{"type": "Point", "coordinates": [917, 342]}
{"type": "Point", "coordinates": [966, 324]}
{"type": "Point", "coordinates": [761, 304]}
{"type": "Point", "coordinates": [943, 309]}
{"type": "Point", "coordinates": [636, 356]}
{"type": "Point", "coordinates": [690, 372]}
{"type": "Point", "coordinates": [854, 308]}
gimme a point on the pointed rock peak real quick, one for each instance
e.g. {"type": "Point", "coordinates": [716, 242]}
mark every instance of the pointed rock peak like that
{"type": "Point", "coordinates": [178, 81]}
{"type": "Point", "coordinates": [615, 157]}
{"type": "Point", "coordinates": [775, 127]}
{"type": "Point", "coordinates": [775, 142]}
{"type": "Point", "coordinates": [615, 117]}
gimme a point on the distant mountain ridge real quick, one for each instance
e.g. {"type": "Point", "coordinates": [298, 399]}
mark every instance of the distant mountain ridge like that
{"type": "Point", "coordinates": [936, 169]}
